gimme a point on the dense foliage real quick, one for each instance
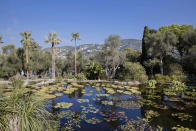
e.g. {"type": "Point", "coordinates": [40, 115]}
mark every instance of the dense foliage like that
{"type": "Point", "coordinates": [169, 51]}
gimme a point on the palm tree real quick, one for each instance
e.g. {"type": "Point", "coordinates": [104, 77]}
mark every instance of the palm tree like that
{"type": "Point", "coordinates": [75, 37]}
{"type": "Point", "coordinates": [26, 40]}
{"type": "Point", "coordinates": [52, 38]}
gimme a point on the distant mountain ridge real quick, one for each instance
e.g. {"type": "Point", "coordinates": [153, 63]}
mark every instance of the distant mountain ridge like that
{"type": "Point", "coordinates": [91, 49]}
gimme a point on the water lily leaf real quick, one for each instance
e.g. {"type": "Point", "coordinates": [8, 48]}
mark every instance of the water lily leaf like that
{"type": "Point", "coordinates": [63, 105]}
{"type": "Point", "coordinates": [83, 100]}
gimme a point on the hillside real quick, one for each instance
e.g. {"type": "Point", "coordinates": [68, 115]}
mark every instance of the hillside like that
{"type": "Point", "coordinates": [91, 49]}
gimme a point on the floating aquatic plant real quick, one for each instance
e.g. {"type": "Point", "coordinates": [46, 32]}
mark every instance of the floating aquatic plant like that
{"type": "Point", "coordinates": [169, 92]}
{"type": "Point", "coordinates": [96, 99]}
{"type": "Point", "coordinates": [76, 85]}
{"type": "Point", "coordinates": [181, 128]}
{"type": "Point", "coordinates": [119, 91]}
{"type": "Point", "coordinates": [182, 116]}
{"type": "Point", "coordinates": [70, 90]}
{"type": "Point", "coordinates": [107, 102]}
{"type": "Point", "coordinates": [150, 114]}
{"type": "Point", "coordinates": [61, 88]}
{"type": "Point", "coordinates": [114, 86]}
{"type": "Point", "coordinates": [72, 119]}
{"type": "Point", "coordinates": [89, 109]}
{"type": "Point", "coordinates": [102, 95]}
{"type": "Point", "coordinates": [134, 91]}
{"type": "Point", "coordinates": [110, 90]}
{"type": "Point", "coordinates": [82, 100]}
{"type": "Point", "coordinates": [113, 116]}
{"type": "Point", "coordinates": [83, 91]}
{"type": "Point", "coordinates": [88, 94]}
{"type": "Point", "coordinates": [93, 121]}
{"type": "Point", "coordinates": [146, 102]}
{"type": "Point", "coordinates": [97, 88]}
{"type": "Point", "coordinates": [129, 104]}
{"type": "Point", "coordinates": [139, 125]}
{"type": "Point", "coordinates": [121, 87]}
{"type": "Point", "coordinates": [59, 94]}
{"type": "Point", "coordinates": [63, 105]}
{"type": "Point", "coordinates": [127, 92]}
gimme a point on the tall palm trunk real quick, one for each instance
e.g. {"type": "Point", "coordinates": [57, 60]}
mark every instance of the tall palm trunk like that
{"type": "Point", "coordinates": [27, 60]}
{"type": "Point", "coordinates": [53, 61]}
{"type": "Point", "coordinates": [75, 59]}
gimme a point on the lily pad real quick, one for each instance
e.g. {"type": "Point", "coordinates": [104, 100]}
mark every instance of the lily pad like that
{"type": "Point", "coordinates": [63, 105]}
{"type": "Point", "coordinates": [83, 100]}
{"type": "Point", "coordinates": [89, 109]}
{"type": "Point", "coordinates": [107, 102]}
{"type": "Point", "coordinates": [93, 121]}
{"type": "Point", "coordinates": [102, 95]}
{"type": "Point", "coordinates": [127, 92]}
{"type": "Point", "coordinates": [59, 94]}
{"type": "Point", "coordinates": [88, 94]}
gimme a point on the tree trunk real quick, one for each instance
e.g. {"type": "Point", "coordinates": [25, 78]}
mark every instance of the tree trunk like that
{"type": "Point", "coordinates": [98, 76]}
{"type": "Point", "coordinates": [75, 59]}
{"type": "Point", "coordinates": [27, 60]}
{"type": "Point", "coordinates": [53, 61]}
{"type": "Point", "coordinates": [161, 66]}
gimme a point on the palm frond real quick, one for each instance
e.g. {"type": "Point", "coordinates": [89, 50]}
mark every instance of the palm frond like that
{"type": "Point", "coordinates": [76, 36]}
{"type": "Point", "coordinates": [52, 38]}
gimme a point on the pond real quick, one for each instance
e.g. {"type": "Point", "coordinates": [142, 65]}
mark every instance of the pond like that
{"type": "Point", "coordinates": [105, 106]}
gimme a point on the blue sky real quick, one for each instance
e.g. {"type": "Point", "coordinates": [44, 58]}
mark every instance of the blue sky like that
{"type": "Point", "coordinates": [94, 19]}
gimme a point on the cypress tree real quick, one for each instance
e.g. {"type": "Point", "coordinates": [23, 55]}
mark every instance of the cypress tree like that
{"type": "Point", "coordinates": [144, 51]}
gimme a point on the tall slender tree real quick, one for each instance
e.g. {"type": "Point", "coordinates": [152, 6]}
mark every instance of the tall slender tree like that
{"type": "Point", "coordinates": [144, 52]}
{"type": "Point", "coordinates": [75, 37]}
{"type": "Point", "coordinates": [26, 40]}
{"type": "Point", "coordinates": [52, 38]}
{"type": "Point", "coordinates": [0, 43]}
{"type": "Point", "coordinates": [1, 40]}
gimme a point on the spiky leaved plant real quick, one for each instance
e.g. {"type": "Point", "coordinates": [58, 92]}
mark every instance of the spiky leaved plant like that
{"type": "Point", "coordinates": [22, 111]}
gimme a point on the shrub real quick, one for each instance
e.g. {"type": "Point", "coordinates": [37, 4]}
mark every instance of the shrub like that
{"type": "Point", "coordinates": [177, 77]}
{"type": "Point", "coordinates": [135, 71]}
{"type": "Point", "coordinates": [167, 79]}
{"type": "Point", "coordinates": [162, 78]}
{"type": "Point", "coordinates": [59, 78]}
{"type": "Point", "coordinates": [79, 76]}
{"type": "Point", "coordinates": [175, 69]}
{"type": "Point", "coordinates": [69, 76]}
{"type": "Point", "coordinates": [94, 71]}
